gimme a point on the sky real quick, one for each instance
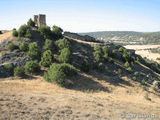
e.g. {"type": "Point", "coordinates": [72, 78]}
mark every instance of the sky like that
{"type": "Point", "coordinates": [84, 15]}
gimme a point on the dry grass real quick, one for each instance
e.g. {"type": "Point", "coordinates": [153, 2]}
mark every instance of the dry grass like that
{"type": "Point", "coordinates": [107, 105]}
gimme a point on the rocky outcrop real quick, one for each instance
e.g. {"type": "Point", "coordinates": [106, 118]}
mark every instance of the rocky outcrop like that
{"type": "Point", "coordinates": [80, 37]}
{"type": "Point", "coordinates": [14, 58]}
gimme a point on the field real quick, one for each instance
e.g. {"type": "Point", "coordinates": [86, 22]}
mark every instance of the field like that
{"type": "Point", "coordinates": [145, 51]}
{"type": "Point", "coordinates": [36, 99]}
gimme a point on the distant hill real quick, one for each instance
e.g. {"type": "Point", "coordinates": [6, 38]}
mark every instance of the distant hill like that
{"type": "Point", "coordinates": [126, 37]}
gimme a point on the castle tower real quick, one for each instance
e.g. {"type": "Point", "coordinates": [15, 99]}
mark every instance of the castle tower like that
{"type": "Point", "coordinates": [40, 20]}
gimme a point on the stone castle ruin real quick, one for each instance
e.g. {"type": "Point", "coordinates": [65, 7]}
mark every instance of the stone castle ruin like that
{"type": "Point", "coordinates": [40, 20]}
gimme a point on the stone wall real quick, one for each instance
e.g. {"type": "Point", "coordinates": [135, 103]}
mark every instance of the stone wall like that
{"type": "Point", "coordinates": [40, 20]}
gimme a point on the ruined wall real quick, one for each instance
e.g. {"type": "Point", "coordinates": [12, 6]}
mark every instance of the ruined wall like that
{"type": "Point", "coordinates": [40, 20]}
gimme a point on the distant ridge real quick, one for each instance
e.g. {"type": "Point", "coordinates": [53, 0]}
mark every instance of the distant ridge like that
{"type": "Point", "coordinates": [126, 37]}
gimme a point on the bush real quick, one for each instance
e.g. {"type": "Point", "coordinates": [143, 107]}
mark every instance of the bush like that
{"type": "Point", "coordinates": [97, 54]}
{"type": "Point", "coordinates": [129, 69]}
{"type": "Point", "coordinates": [22, 31]}
{"type": "Point", "coordinates": [63, 43]}
{"type": "Point", "coordinates": [31, 23]}
{"type": "Point", "coordinates": [57, 73]}
{"type": "Point", "coordinates": [18, 71]}
{"type": "Point", "coordinates": [134, 78]}
{"type": "Point", "coordinates": [49, 45]}
{"type": "Point", "coordinates": [23, 47]}
{"type": "Point", "coordinates": [12, 46]}
{"type": "Point", "coordinates": [101, 67]}
{"type": "Point", "coordinates": [113, 52]}
{"type": "Point", "coordinates": [31, 67]}
{"type": "Point", "coordinates": [8, 67]}
{"type": "Point", "coordinates": [121, 49]}
{"type": "Point", "coordinates": [28, 34]}
{"type": "Point", "coordinates": [47, 59]}
{"type": "Point", "coordinates": [57, 32]}
{"type": "Point", "coordinates": [34, 51]}
{"type": "Point", "coordinates": [1, 32]}
{"type": "Point", "coordinates": [126, 64]}
{"type": "Point", "coordinates": [45, 31]}
{"type": "Point", "coordinates": [65, 55]}
{"type": "Point", "coordinates": [105, 52]}
{"type": "Point", "coordinates": [85, 66]}
{"type": "Point", "coordinates": [143, 81]}
{"type": "Point", "coordinates": [15, 33]}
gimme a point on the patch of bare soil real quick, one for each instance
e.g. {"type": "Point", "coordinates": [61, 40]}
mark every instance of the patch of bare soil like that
{"type": "Point", "coordinates": [24, 99]}
{"type": "Point", "coordinates": [6, 36]}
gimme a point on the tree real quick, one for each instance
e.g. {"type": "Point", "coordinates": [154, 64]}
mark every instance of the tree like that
{"type": "Point", "coordinates": [97, 54]}
{"type": "Point", "coordinates": [18, 71]}
{"type": "Point", "coordinates": [126, 64]}
{"type": "Point", "coordinates": [47, 59]}
{"type": "Point", "coordinates": [49, 45]}
{"type": "Point", "coordinates": [63, 43]}
{"type": "Point", "coordinates": [23, 47]}
{"type": "Point", "coordinates": [12, 46]}
{"type": "Point", "coordinates": [15, 33]}
{"type": "Point", "coordinates": [65, 55]}
{"type": "Point", "coordinates": [34, 51]}
{"type": "Point", "coordinates": [31, 67]}
{"type": "Point", "coordinates": [28, 34]}
{"type": "Point", "coordinates": [105, 52]}
{"type": "Point", "coordinates": [58, 73]}
{"type": "Point", "coordinates": [22, 30]}
{"type": "Point", "coordinates": [31, 23]}
{"type": "Point", "coordinates": [57, 32]}
{"type": "Point", "coordinates": [45, 31]}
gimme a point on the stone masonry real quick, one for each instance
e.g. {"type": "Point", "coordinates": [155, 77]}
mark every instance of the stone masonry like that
{"type": "Point", "coordinates": [40, 20]}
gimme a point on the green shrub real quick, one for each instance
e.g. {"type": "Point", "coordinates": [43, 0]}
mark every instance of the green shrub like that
{"type": "Point", "coordinates": [12, 46]}
{"type": "Point", "coordinates": [114, 52]}
{"type": "Point", "coordinates": [28, 34]}
{"type": "Point", "coordinates": [22, 31]}
{"type": "Point", "coordinates": [97, 54]}
{"type": "Point", "coordinates": [85, 66]}
{"type": "Point", "coordinates": [23, 47]}
{"type": "Point", "coordinates": [45, 31]}
{"type": "Point", "coordinates": [31, 23]}
{"type": "Point", "coordinates": [18, 72]}
{"type": "Point", "coordinates": [1, 32]}
{"type": "Point", "coordinates": [57, 73]}
{"type": "Point", "coordinates": [49, 45]}
{"type": "Point", "coordinates": [65, 55]}
{"type": "Point", "coordinates": [120, 49]}
{"type": "Point", "coordinates": [144, 88]}
{"type": "Point", "coordinates": [63, 43]}
{"type": "Point", "coordinates": [105, 52]}
{"type": "Point", "coordinates": [126, 64]}
{"type": "Point", "coordinates": [15, 33]}
{"type": "Point", "coordinates": [46, 59]}
{"type": "Point", "coordinates": [134, 78]}
{"type": "Point", "coordinates": [57, 32]}
{"type": "Point", "coordinates": [110, 60]}
{"type": "Point", "coordinates": [129, 69]}
{"type": "Point", "coordinates": [143, 81]}
{"type": "Point", "coordinates": [31, 67]}
{"type": "Point", "coordinates": [34, 51]}
{"type": "Point", "coordinates": [8, 67]}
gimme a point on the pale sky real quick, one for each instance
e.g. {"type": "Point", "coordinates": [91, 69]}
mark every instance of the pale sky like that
{"type": "Point", "coordinates": [84, 15]}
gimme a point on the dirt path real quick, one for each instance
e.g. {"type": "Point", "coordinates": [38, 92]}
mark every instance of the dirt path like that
{"type": "Point", "coordinates": [36, 99]}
